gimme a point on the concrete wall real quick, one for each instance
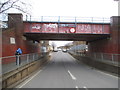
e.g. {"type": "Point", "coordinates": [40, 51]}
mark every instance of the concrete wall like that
{"type": "Point", "coordinates": [108, 45]}
{"type": "Point", "coordinates": [11, 79]}
{"type": "Point", "coordinates": [110, 68]}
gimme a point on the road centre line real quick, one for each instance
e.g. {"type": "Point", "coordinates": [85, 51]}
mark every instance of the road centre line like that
{"type": "Point", "coordinates": [77, 87]}
{"type": "Point", "coordinates": [85, 88]}
{"type": "Point", "coordinates": [30, 79]}
{"type": "Point", "coordinates": [98, 70]}
{"type": "Point", "coordinates": [73, 77]}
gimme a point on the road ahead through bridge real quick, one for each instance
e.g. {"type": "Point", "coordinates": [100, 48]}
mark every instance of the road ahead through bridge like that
{"type": "Point", "coordinates": [63, 71]}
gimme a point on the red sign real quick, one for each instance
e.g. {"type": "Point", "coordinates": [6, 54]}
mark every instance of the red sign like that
{"type": "Point", "coordinates": [72, 30]}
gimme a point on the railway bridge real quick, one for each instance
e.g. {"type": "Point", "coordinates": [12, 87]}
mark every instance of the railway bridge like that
{"type": "Point", "coordinates": [101, 35]}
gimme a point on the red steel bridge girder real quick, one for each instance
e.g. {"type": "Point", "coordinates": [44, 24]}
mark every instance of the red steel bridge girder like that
{"type": "Point", "coordinates": [89, 28]}
{"type": "Point", "coordinates": [66, 31]}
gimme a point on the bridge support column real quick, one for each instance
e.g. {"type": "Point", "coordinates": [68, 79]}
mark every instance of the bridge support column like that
{"type": "Point", "coordinates": [16, 21]}
{"type": "Point", "coordinates": [110, 44]}
{"type": "Point", "coordinates": [13, 37]}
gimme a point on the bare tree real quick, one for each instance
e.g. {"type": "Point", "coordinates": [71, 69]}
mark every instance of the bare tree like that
{"type": "Point", "coordinates": [5, 5]}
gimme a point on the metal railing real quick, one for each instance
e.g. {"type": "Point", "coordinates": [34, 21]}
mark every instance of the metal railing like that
{"type": "Point", "coordinates": [10, 63]}
{"type": "Point", "coordinates": [58, 19]}
{"type": "Point", "coordinates": [68, 19]}
{"type": "Point", "coordinates": [103, 57]}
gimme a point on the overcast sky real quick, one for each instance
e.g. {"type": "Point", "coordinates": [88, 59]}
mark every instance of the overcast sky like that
{"type": "Point", "coordinates": [86, 8]}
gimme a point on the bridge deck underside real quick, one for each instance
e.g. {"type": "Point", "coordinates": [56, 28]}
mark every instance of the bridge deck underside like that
{"type": "Point", "coordinates": [65, 36]}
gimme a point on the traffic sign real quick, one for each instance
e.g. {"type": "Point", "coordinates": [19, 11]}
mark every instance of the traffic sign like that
{"type": "Point", "coordinates": [72, 30]}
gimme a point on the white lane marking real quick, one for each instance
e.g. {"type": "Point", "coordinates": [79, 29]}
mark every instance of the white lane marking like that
{"type": "Point", "coordinates": [77, 87]}
{"type": "Point", "coordinates": [97, 70]}
{"type": "Point", "coordinates": [107, 74]}
{"type": "Point", "coordinates": [73, 77]}
{"type": "Point", "coordinates": [30, 79]}
{"type": "Point", "coordinates": [85, 87]}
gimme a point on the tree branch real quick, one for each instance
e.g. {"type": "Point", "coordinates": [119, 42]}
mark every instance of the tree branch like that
{"type": "Point", "coordinates": [5, 3]}
{"type": "Point", "coordinates": [11, 4]}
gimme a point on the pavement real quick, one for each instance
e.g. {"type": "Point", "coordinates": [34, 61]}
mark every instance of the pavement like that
{"type": "Point", "coordinates": [64, 71]}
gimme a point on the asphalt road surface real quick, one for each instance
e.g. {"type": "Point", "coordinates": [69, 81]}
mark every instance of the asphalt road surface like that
{"type": "Point", "coordinates": [63, 71]}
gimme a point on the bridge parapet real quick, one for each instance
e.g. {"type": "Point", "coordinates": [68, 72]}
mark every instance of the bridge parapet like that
{"type": "Point", "coordinates": [68, 19]}
{"type": "Point", "coordinates": [66, 27]}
